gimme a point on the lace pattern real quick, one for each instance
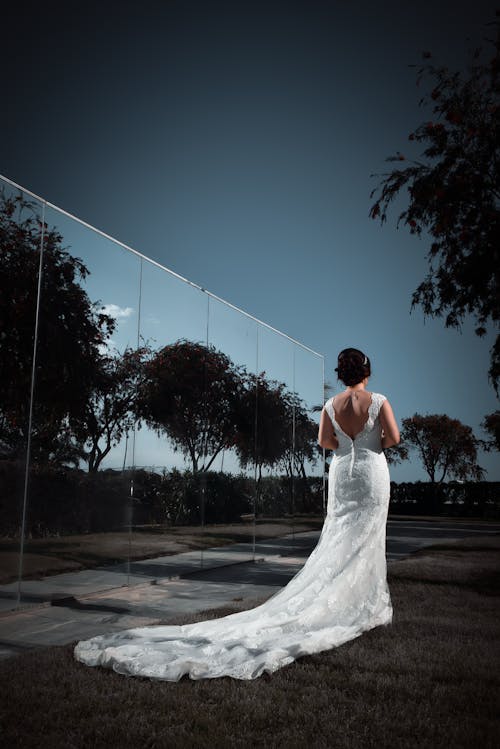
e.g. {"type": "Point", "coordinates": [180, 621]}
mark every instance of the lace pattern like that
{"type": "Point", "coordinates": [340, 592]}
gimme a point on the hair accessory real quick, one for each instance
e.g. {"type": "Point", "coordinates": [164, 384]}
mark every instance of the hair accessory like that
{"type": "Point", "coordinates": [365, 361]}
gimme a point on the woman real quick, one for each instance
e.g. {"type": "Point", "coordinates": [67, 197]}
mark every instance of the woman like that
{"type": "Point", "coordinates": [339, 593]}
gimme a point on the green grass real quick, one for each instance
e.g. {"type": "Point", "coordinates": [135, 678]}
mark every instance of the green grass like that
{"type": "Point", "coordinates": [428, 680]}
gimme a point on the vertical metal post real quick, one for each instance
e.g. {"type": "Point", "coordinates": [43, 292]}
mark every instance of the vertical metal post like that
{"type": "Point", "coordinates": [30, 416]}
{"type": "Point", "coordinates": [204, 477]}
{"type": "Point", "coordinates": [256, 424]}
{"type": "Point", "coordinates": [134, 433]}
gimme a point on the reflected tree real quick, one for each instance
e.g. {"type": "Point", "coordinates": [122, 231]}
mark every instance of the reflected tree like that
{"type": "Point", "coordinates": [264, 423]}
{"type": "Point", "coordinates": [192, 393]}
{"type": "Point", "coordinates": [302, 441]}
{"type": "Point", "coordinates": [71, 334]}
{"type": "Point", "coordinates": [109, 412]}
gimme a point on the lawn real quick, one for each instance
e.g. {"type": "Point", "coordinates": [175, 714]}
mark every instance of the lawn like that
{"type": "Point", "coordinates": [430, 679]}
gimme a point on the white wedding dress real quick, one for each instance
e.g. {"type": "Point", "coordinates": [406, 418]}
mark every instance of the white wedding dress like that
{"type": "Point", "coordinates": [339, 593]}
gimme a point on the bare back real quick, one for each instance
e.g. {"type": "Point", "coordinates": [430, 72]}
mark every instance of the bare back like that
{"type": "Point", "coordinates": [351, 411]}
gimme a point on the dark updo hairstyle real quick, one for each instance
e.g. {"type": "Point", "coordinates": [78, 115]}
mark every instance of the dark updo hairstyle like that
{"type": "Point", "coordinates": [353, 366]}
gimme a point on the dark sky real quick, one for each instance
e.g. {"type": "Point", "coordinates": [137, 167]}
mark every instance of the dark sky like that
{"type": "Point", "coordinates": [233, 142]}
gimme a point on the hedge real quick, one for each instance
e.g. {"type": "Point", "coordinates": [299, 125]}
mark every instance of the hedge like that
{"type": "Point", "coordinates": [63, 501]}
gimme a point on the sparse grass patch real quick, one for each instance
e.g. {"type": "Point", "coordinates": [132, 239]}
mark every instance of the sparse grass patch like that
{"type": "Point", "coordinates": [428, 680]}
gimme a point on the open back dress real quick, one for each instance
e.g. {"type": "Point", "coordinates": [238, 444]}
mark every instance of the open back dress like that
{"type": "Point", "coordinates": [340, 592]}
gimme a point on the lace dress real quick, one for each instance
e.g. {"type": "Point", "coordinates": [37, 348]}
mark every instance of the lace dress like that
{"type": "Point", "coordinates": [339, 593]}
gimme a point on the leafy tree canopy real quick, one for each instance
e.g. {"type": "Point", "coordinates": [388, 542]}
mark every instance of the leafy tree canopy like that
{"type": "Point", "coordinates": [264, 422]}
{"type": "Point", "coordinates": [301, 443]}
{"type": "Point", "coordinates": [396, 454]}
{"type": "Point", "coordinates": [191, 392]}
{"type": "Point", "coordinates": [109, 412]}
{"type": "Point", "coordinates": [71, 332]}
{"type": "Point", "coordinates": [491, 425]}
{"type": "Point", "coordinates": [454, 194]}
{"type": "Point", "coordinates": [445, 446]}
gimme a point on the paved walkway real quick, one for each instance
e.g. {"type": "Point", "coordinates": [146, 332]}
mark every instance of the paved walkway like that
{"type": "Point", "coordinates": [78, 605]}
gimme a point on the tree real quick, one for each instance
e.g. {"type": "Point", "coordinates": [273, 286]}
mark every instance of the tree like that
{"type": "Point", "coordinates": [444, 445]}
{"type": "Point", "coordinates": [109, 412]}
{"type": "Point", "coordinates": [264, 423]}
{"type": "Point", "coordinates": [191, 392]}
{"type": "Point", "coordinates": [454, 195]}
{"type": "Point", "coordinates": [491, 424]}
{"type": "Point", "coordinates": [301, 444]}
{"type": "Point", "coordinates": [396, 454]}
{"type": "Point", "coordinates": [71, 333]}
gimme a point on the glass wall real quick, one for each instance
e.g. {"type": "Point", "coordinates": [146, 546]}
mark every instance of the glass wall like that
{"type": "Point", "coordinates": [22, 230]}
{"type": "Point", "coordinates": [163, 429]}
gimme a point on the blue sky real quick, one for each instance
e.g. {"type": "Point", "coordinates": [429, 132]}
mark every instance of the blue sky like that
{"type": "Point", "coordinates": [233, 143]}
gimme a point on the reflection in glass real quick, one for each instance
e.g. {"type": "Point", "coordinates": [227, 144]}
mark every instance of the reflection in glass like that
{"type": "Point", "coordinates": [234, 501]}
{"type": "Point", "coordinates": [22, 233]}
{"type": "Point", "coordinates": [163, 419]}
{"type": "Point", "coordinates": [309, 457]}
{"type": "Point", "coordinates": [170, 446]}
{"type": "Point", "coordinates": [272, 388]}
{"type": "Point", "coordinates": [79, 498]}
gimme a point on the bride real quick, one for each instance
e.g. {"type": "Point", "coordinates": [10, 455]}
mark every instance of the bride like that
{"type": "Point", "coordinates": [339, 593]}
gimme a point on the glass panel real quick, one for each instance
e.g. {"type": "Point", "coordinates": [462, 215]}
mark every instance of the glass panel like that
{"type": "Point", "coordinates": [169, 454]}
{"type": "Point", "coordinates": [309, 467]}
{"type": "Point", "coordinates": [21, 239]}
{"type": "Point", "coordinates": [79, 498]}
{"type": "Point", "coordinates": [232, 478]}
{"type": "Point", "coordinates": [274, 444]}
{"type": "Point", "coordinates": [163, 420]}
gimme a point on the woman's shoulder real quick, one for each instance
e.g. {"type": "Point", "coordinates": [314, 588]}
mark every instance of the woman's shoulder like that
{"type": "Point", "coordinates": [329, 402]}
{"type": "Point", "coordinates": [378, 398]}
{"type": "Point", "coordinates": [328, 407]}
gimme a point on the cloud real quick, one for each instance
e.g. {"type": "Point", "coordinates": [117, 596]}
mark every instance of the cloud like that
{"type": "Point", "coordinates": [107, 347]}
{"type": "Point", "coordinates": [119, 313]}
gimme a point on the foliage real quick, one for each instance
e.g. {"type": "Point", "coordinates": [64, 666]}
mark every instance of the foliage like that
{"type": "Point", "coordinates": [274, 428]}
{"type": "Point", "coordinates": [109, 412]}
{"type": "Point", "coordinates": [64, 500]}
{"type": "Point", "coordinates": [274, 496]}
{"type": "Point", "coordinates": [301, 444]}
{"type": "Point", "coordinates": [206, 404]}
{"type": "Point", "coordinates": [444, 445]}
{"type": "Point", "coordinates": [264, 423]}
{"type": "Point", "coordinates": [185, 498]}
{"type": "Point", "coordinates": [453, 499]}
{"type": "Point", "coordinates": [396, 454]}
{"type": "Point", "coordinates": [191, 392]}
{"type": "Point", "coordinates": [491, 424]}
{"type": "Point", "coordinates": [454, 195]}
{"type": "Point", "coordinates": [71, 331]}
{"type": "Point", "coordinates": [85, 400]}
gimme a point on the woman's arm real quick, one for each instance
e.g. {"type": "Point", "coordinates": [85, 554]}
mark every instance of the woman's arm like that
{"type": "Point", "coordinates": [390, 430]}
{"type": "Point", "coordinates": [326, 434]}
